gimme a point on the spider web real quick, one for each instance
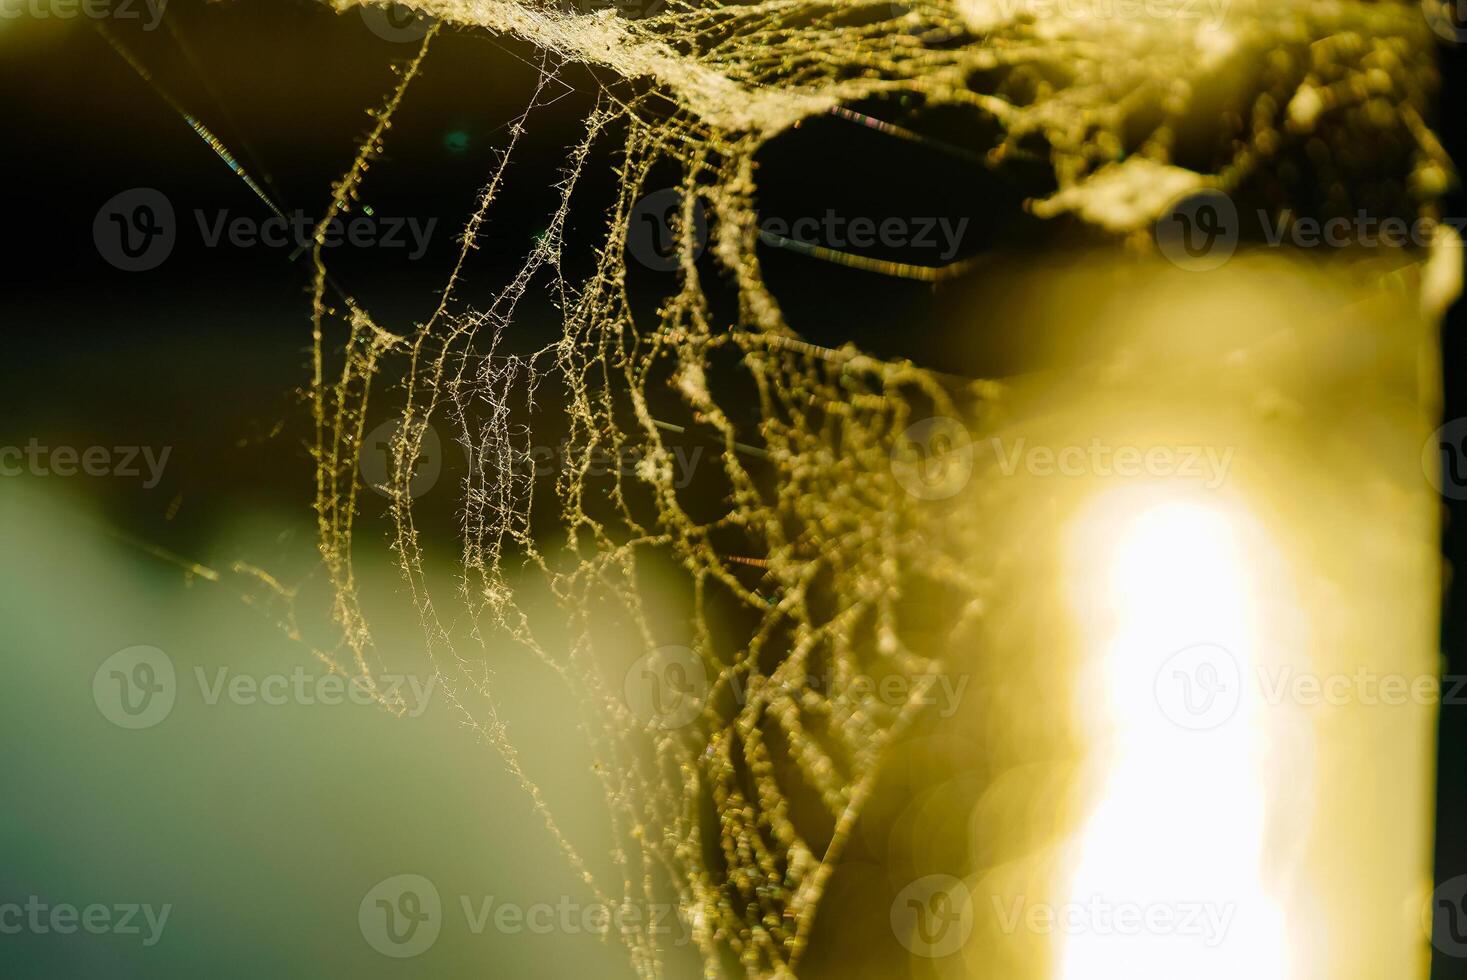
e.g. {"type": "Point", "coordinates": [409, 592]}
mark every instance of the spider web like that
{"type": "Point", "coordinates": [807, 565]}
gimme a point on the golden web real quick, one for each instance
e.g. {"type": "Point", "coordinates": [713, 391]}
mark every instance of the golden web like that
{"type": "Point", "coordinates": [811, 566]}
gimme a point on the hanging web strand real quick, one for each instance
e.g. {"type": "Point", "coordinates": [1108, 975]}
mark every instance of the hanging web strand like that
{"type": "Point", "coordinates": [203, 132]}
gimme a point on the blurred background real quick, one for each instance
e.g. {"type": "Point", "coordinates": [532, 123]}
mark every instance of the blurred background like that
{"type": "Point", "coordinates": [265, 826]}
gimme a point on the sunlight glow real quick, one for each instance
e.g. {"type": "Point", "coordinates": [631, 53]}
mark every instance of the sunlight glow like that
{"type": "Point", "coordinates": [1170, 858]}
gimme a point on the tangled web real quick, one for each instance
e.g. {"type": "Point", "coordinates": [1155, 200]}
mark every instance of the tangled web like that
{"type": "Point", "coordinates": [807, 563]}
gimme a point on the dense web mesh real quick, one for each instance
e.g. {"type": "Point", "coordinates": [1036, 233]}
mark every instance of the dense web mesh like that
{"type": "Point", "coordinates": [804, 563]}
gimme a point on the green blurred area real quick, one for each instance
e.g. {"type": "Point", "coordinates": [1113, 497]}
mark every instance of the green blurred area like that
{"type": "Point", "coordinates": [262, 826]}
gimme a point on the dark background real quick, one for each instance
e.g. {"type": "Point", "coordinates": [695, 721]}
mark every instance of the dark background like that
{"type": "Point", "coordinates": [208, 352]}
{"type": "Point", "coordinates": [1452, 785]}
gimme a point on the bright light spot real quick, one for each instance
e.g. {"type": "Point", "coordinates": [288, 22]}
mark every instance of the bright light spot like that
{"type": "Point", "coordinates": [1177, 837]}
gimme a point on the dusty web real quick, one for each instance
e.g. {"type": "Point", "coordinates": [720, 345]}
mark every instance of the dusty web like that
{"type": "Point", "coordinates": [814, 563]}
